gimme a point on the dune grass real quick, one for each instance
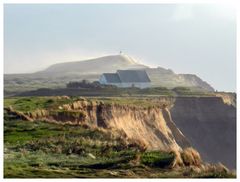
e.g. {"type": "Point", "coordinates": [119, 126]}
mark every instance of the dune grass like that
{"type": "Point", "coordinates": [26, 104]}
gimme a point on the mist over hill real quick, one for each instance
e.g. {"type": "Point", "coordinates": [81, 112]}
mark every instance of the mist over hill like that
{"type": "Point", "coordinates": [58, 75]}
{"type": "Point", "coordinates": [94, 66]}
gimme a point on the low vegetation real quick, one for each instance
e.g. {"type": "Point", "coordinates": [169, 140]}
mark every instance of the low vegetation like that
{"type": "Point", "coordinates": [87, 88]}
{"type": "Point", "coordinates": [32, 103]}
{"type": "Point", "coordinates": [33, 149]}
{"type": "Point", "coordinates": [29, 104]}
{"type": "Point", "coordinates": [41, 149]}
{"type": "Point", "coordinates": [157, 159]}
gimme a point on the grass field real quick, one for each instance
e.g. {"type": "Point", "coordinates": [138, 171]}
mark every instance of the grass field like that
{"type": "Point", "coordinates": [27, 104]}
{"type": "Point", "coordinates": [108, 91]}
{"type": "Point", "coordinates": [39, 149]}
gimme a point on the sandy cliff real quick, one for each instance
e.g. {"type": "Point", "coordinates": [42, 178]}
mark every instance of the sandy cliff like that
{"type": "Point", "coordinates": [152, 126]}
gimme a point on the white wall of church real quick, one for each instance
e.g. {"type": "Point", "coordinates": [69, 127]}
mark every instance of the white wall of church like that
{"type": "Point", "coordinates": [103, 80]}
{"type": "Point", "coordinates": [136, 84]}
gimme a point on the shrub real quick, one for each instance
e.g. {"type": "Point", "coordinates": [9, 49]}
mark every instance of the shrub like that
{"type": "Point", "coordinates": [49, 101]}
{"type": "Point", "coordinates": [191, 157]}
{"type": "Point", "coordinates": [157, 159]}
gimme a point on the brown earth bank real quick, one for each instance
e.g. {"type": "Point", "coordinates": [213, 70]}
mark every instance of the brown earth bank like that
{"type": "Point", "coordinates": [210, 126]}
{"type": "Point", "coordinates": [205, 123]}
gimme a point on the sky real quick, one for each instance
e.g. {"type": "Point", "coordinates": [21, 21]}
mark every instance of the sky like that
{"type": "Point", "coordinates": [186, 38]}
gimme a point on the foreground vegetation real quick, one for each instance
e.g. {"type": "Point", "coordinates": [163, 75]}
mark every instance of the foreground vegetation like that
{"type": "Point", "coordinates": [39, 149]}
{"type": "Point", "coordinates": [46, 150]}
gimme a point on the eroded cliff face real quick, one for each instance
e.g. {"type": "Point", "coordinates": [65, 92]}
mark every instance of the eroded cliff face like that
{"type": "Point", "coordinates": [152, 126]}
{"type": "Point", "coordinates": [209, 123]}
{"type": "Point", "coordinates": [205, 123]}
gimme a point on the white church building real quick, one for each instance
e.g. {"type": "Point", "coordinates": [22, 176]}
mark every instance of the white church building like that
{"type": "Point", "coordinates": [126, 78]}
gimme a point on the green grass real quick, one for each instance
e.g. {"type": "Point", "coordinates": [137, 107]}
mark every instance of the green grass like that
{"type": "Point", "coordinates": [142, 102]}
{"type": "Point", "coordinates": [26, 104]}
{"type": "Point", "coordinates": [44, 150]}
{"type": "Point", "coordinates": [19, 132]}
{"type": "Point", "coordinates": [39, 149]}
{"type": "Point", "coordinates": [58, 88]}
{"type": "Point", "coordinates": [157, 159]}
{"type": "Point", "coordinates": [32, 148]}
{"type": "Point", "coordinates": [145, 98]}
{"type": "Point", "coordinates": [191, 91]}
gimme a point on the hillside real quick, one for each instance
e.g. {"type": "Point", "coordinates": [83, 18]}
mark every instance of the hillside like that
{"type": "Point", "coordinates": [56, 76]}
{"type": "Point", "coordinates": [167, 78]}
{"type": "Point", "coordinates": [94, 66]}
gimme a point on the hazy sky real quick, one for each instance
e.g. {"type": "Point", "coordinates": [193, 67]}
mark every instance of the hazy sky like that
{"type": "Point", "coordinates": [198, 39]}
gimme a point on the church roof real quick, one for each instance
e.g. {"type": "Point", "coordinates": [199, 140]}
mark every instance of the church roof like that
{"type": "Point", "coordinates": [127, 76]}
